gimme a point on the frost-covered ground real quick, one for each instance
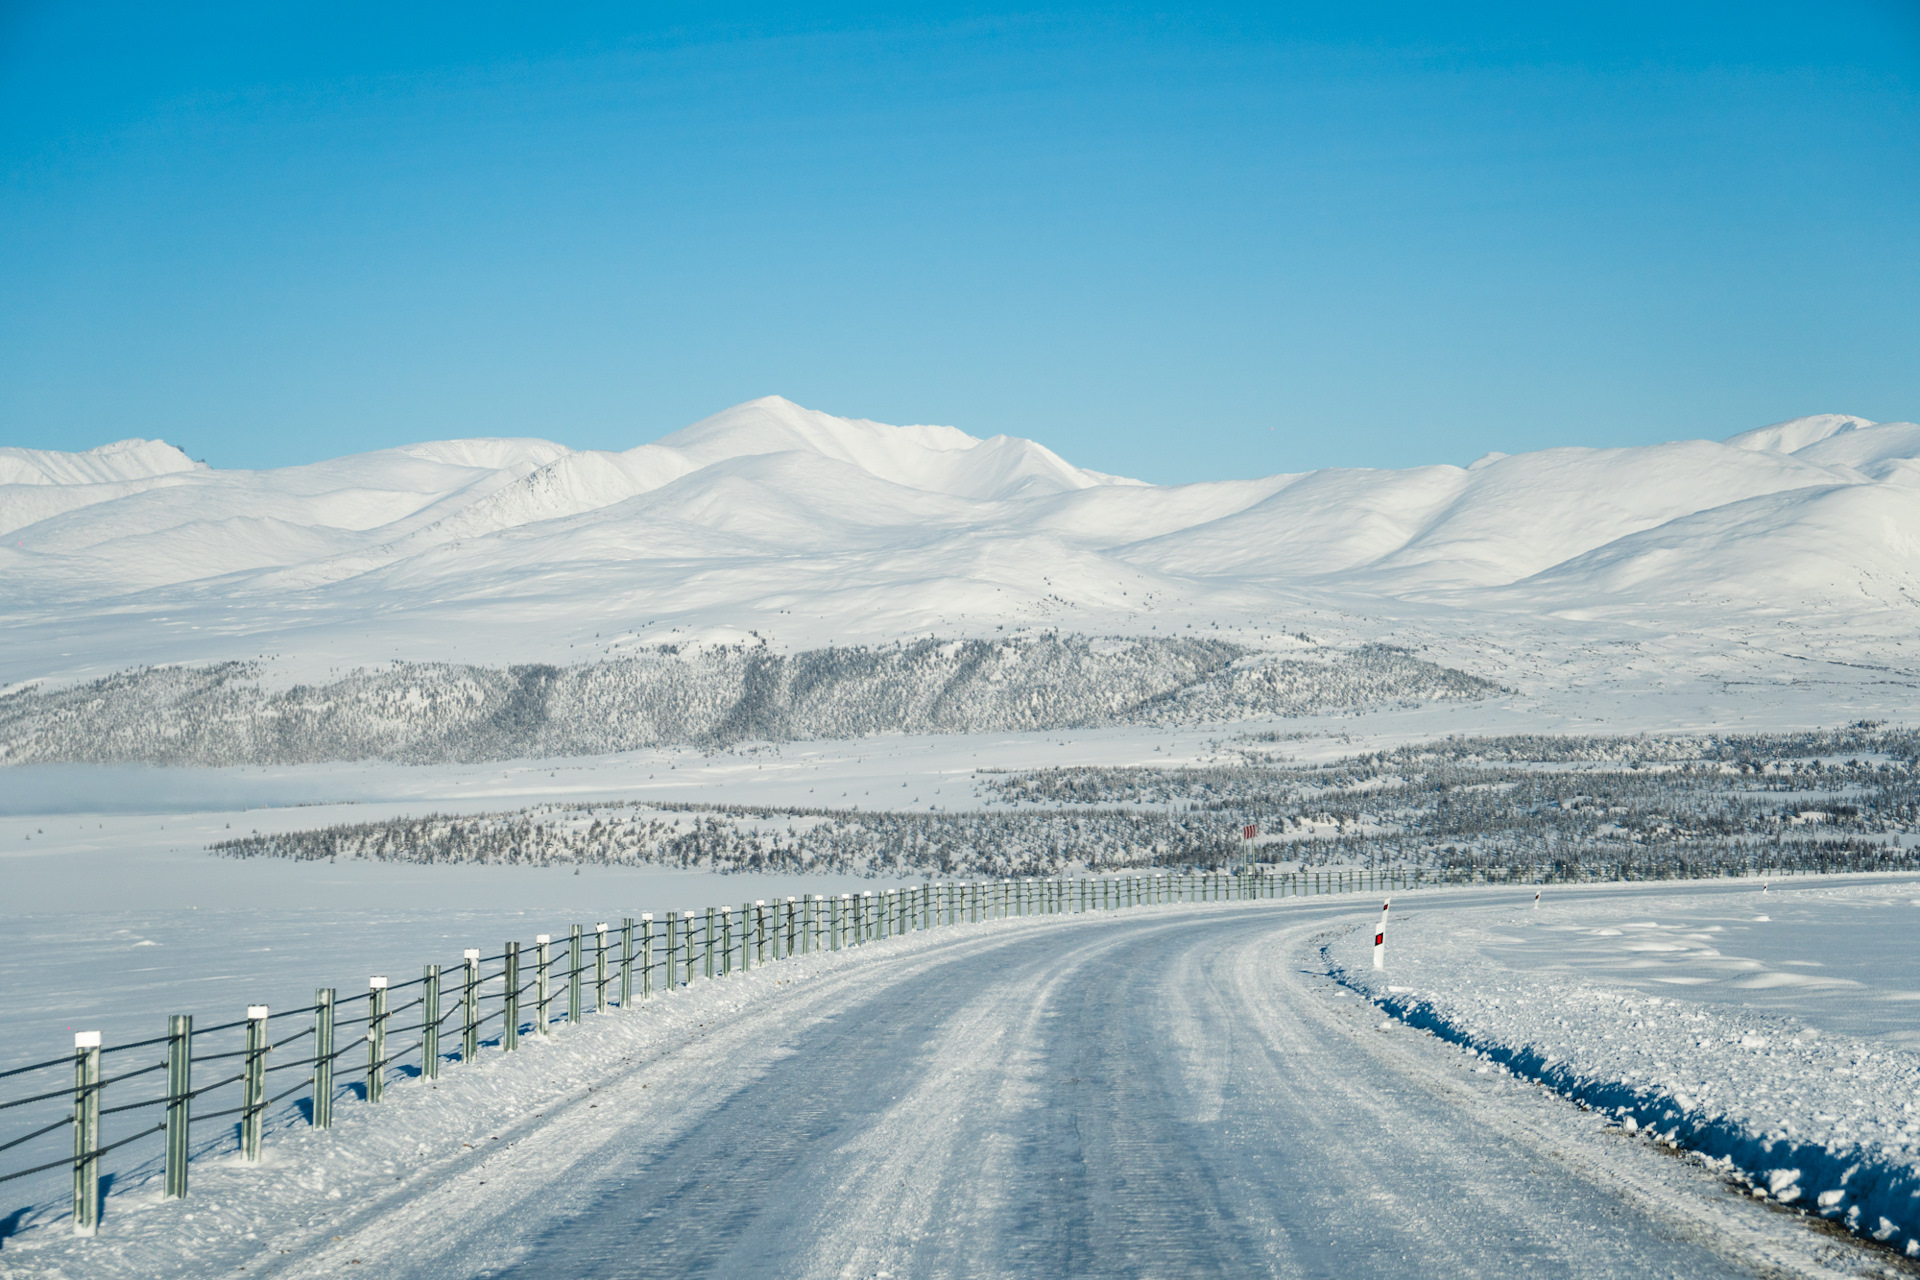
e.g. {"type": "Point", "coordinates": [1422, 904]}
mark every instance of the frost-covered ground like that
{"type": "Point", "coordinates": [1772, 1032]}
{"type": "Point", "coordinates": [1168, 1091]}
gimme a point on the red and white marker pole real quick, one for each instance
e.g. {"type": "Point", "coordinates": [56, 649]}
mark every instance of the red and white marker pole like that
{"type": "Point", "coordinates": [1536, 899]}
{"type": "Point", "coordinates": [1380, 937]}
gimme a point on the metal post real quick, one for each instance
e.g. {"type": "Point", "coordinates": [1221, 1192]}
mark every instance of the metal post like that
{"type": "Point", "coordinates": [673, 949]}
{"type": "Point", "coordinates": [543, 981]}
{"type": "Point", "coordinates": [576, 949]}
{"type": "Point", "coordinates": [86, 1132]}
{"type": "Point", "coordinates": [600, 967]}
{"type": "Point", "coordinates": [510, 1001]}
{"type": "Point", "coordinates": [470, 1007]}
{"type": "Point", "coordinates": [726, 941]}
{"type": "Point", "coordinates": [646, 959]}
{"type": "Point", "coordinates": [180, 1086]}
{"type": "Point", "coordinates": [626, 960]}
{"type": "Point", "coordinates": [706, 944]}
{"type": "Point", "coordinates": [376, 1035]}
{"type": "Point", "coordinates": [430, 1021]}
{"type": "Point", "coordinates": [253, 1103]}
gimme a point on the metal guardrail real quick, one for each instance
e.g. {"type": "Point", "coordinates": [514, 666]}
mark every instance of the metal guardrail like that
{"type": "Point", "coordinates": [610, 966]}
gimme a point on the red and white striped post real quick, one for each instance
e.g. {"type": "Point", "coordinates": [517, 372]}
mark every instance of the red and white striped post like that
{"type": "Point", "coordinates": [1380, 937]}
{"type": "Point", "coordinates": [1536, 899]}
{"type": "Point", "coordinates": [1247, 833]}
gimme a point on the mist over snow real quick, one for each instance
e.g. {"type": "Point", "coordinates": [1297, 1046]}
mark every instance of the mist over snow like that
{"type": "Point", "coordinates": [1785, 554]}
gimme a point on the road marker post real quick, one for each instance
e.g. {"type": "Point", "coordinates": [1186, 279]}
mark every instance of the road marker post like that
{"type": "Point", "coordinates": [1380, 937]}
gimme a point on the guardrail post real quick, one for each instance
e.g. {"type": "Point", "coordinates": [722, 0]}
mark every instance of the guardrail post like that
{"type": "Point", "coordinates": [253, 1104]}
{"type": "Point", "coordinates": [376, 1035]}
{"type": "Point", "coordinates": [543, 981]}
{"type": "Point", "coordinates": [600, 967]}
{"type": "Point", "coordinates": [646, 961]}
{"type": "Point", "coordinates": [575, 950]}
{"type": "Point", "coordinates": [430, 1021]}
{"type": "Point", "coordinates": [470, 1007]}
{"type": "Point", "coordinates": [510, 999]}
{"type": "Point", "coordinates": [179, 1103]}
{"type": "Point", "coordinates": [706, 945]}
{"type": "Point", "coordinates": [86, 1132]}
{"type": "Point", "coordinates": [673, 950]}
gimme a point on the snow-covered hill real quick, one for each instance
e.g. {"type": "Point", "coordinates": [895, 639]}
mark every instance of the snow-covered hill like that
{"type": "Point", "coordinates": [772, 521]}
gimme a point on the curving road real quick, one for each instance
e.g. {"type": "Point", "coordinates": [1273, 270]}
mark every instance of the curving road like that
{"type": "Point", "coordinates": [1162, 1093]}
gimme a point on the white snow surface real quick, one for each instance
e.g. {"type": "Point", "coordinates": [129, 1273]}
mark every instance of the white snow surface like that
{"type": "Point", "coordinates": [1217, 1108]}
{"type": "Point", "coordinates": [1595, 582]}
{"type": "Point", "coordinates": [1771, 1032]}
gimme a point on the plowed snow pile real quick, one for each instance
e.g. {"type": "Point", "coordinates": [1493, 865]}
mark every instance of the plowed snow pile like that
{"type": "Point", "coordinates": [1769, 1032]}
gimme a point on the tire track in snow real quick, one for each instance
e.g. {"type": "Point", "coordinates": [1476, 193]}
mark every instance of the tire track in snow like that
{"type": "Point", "coordinates": [1159, 1093]}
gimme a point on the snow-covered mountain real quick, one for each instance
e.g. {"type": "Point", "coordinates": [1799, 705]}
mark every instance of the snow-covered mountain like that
{"type": "Point", "coordinates": [787, 523]}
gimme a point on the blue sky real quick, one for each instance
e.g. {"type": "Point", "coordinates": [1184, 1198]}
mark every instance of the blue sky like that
{"type": "Point", "coordinates": [1174, 244]}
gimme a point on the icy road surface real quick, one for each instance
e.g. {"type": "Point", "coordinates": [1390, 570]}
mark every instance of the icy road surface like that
{"type": "Point", "coordinates": [1163, 1093]}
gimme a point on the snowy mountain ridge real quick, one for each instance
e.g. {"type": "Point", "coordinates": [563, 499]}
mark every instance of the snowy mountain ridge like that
{"type": "Point", "coordinates": [774, 521]}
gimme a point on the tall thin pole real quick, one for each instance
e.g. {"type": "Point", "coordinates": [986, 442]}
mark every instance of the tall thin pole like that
{"type": "Point", "coordinates": [86, 1132]}
{"type": "Point", "coordinates": [470, 1007]}
{"type": "Point", "coordinates": [376, 1035]}
{"type": "Point", "coordinates": [510, 1001]}
{"type": "Point", "coordinates": [646, 956]}
{"type": "Point", "coordinates": [323, 1058]}
{"type": "Point", "coordinates": [430, 1021]}
{"type": "Point", "coordinates": [180, 1101]}
{"type": "Point", "coordinates": [543, 982]}
{"type": "Point", "coordinates": [254, 1084]}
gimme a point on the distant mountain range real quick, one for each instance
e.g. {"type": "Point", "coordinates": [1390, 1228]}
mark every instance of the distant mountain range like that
{"type": "Point", "coordinates": [774, 522]}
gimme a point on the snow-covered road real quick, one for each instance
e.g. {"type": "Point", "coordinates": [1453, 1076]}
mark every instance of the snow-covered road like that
{"type": "Point", "coordinates": [1163, 1093]}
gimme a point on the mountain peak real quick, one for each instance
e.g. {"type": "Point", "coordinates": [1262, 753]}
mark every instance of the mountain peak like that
{"type": "Point", "coordinates": [122, 460]}
{"type": "Point", "coordinates": [1796, 434]}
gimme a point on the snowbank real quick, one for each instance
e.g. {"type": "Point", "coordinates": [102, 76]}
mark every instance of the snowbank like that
{"type": "Point", "coordinates": [1819, 1121]}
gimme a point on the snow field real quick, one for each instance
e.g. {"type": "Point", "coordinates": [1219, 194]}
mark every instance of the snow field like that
{"type": "Point", "coordinates": [1798, 1088]}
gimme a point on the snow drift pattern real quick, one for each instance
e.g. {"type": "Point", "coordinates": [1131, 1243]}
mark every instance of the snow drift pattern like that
{"type": "Point", "coordinates": [417, 713]}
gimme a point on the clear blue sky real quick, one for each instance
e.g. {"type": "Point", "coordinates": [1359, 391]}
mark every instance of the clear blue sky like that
{"type": "Point", "coordinates": [1177, 246]}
